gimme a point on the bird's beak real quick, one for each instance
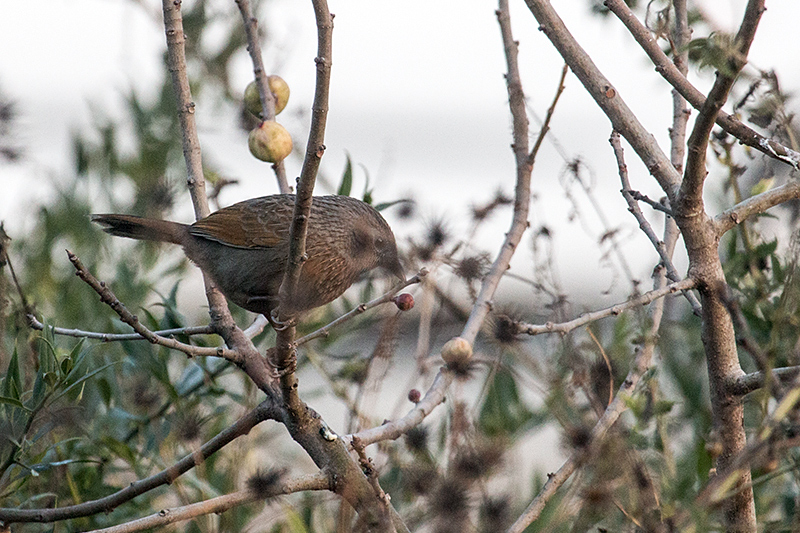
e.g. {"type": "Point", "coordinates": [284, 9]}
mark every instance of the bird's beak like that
{"type": "Point", "coordinates": [396, 268]}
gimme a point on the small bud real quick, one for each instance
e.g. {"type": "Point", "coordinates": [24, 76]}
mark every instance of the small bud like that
{"type": "Point", "coordinates": [404, 302]}
{"type": "Point", "coordinates": [456, 351]}
{"type": "Point", "coordinates": [414, 396]}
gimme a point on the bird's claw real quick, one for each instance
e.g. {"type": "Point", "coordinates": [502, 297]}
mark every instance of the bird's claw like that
{"type": "Point", "coordinates": [276, 324]}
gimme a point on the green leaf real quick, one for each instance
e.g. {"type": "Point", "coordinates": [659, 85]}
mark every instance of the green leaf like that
{"type": "Point", "coordinates": [384, 205]}
{"type": "Point", "coordinates": [119, 449]}
{"type": "Point", "coordinates": [347, 179]}
{"type": "Point", "coordinates": [83, 379]}
{"type": "Point", "coordinates": [503, 412]}
{"type": "Point", "coordinates": [14, 403]}
{"type": "Point", "coordinates": [12, 385]}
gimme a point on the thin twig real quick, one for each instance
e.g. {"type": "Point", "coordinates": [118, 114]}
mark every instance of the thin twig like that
{"type": "Point", "coordinates": [679, 40]}
{"type": "Point", "coordinates": [657, 206]}
{"type": "Point", "coordinates": [265, 411]}
{"type": "Point", "coordinates": [644, 225]}
{"type": "Point", "coordinates": [267, 100]}
{"type": "Point", "coordinates": [220, 504]}
{"type": "Point", "coordinates": [587, 318]}
{"type": "Point", "coordinates": [548, 116]}
{"type": "Point", "coordinates": [116, 337]}
{"type": "Point", "coordinates": [324, 331]}
{"type": "Point", "coordinates": [755, 205]}
{"type": "Point", "coordinates": [108, 298]}
{"type": "Point", "coordinates": [606, 96]}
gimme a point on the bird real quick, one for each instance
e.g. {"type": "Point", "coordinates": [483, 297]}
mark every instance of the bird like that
{"type": "Point", "coordinates": [244, 248]}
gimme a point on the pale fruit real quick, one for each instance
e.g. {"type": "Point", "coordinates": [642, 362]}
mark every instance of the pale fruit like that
{"type": "Point", "coordinates": [270, 142]}
{"type": "Point", "coordinates": [277, 86]}
{"type": "Point", "coordinates": [280, 90]}
{"type": "Point", "coordinates": [456, 351]}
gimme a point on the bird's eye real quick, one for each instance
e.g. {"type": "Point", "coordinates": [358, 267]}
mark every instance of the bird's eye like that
{"type": "Point", "coordinates": [379, 242]}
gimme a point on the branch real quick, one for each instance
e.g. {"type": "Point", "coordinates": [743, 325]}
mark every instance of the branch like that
{"type": "Point", "coordinates": [657, 206]}
{"type": "Point", "coordinates": [250, 360]}
{"type": "Point", "coordinates": [754, 205]}
{"type": "Point", "coordinates": [644, 225]}
{"type": "Point", "coordinates": [752, 382]}
{"type": "Point", "coordinates": [267, 100]}
{"type": "Point", "coordinates": [681, 34]}
{"type": "Point", "coordinates": [220, 504]}
{"type": "Point", "coordinates": [678, 80]}
{"type": "Point", "coordinates": [176, 56]}
{"type": "Point", "coordinates": [108, 297]}
{"type": "Point", "coordinates": [519, 223]}
{"type": "Point", "coordinates": [266, 410]}
{"type": "Point", "coordinates": [395, 429]}
{"type": "Point", "coordinates": [587, 318]}
{"type": "Point", "coordinates": [691, 191]}
{"type": "Point", "coordinates": [436, 393]}
{"type": "Point", "coordinates": [116, 337]}
{"type": "Point", "coordinates": [606, 97]}
{"type": "Point", "coordinates": [324, 331]}
{"type": "Point", "coordinates": [702, 244]}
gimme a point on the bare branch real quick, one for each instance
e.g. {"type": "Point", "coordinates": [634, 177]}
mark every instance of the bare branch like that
{"type": "Point", "coordinates": [548, 116]}
{"type": "Point", "coordinates": [678, 80]}
{"type": "Point", "coordinates": [372, 475]}
{"type": "Point", "coordinates": [702, 245]}
{"type": "Point", "coordinates": [395, 429]}
{"type": "Point", "coordinates": [691, 191]}
{"type": "Point", "coordinates": [436, 393]}
{"type": "Point", "coordinates": [754, 205]}
{"type": "Point", "coordinates": [752, 382]}
{"type": "Point", "coordinates": [253, 364]}
{"type": "Point", "coordinates": [108, 298]}
{"type": "Point", "coordinates": [265, 411]}
{"type": "Point", "coordinates": [657, 206]}
{"type": "Point", "coordinates": [116, 337]}
{"type": "Point", "coordinates": [594, 316]}
{"type": "Point", "coordinates": [606, 96]}
{"type": "Point", "coordinates": [519, 224]}
{"type": "Point", "coordinates": [680, 58]}
{"type": "Point", "coordinates": [644, 225]}
{"type": "Point", "coordinates": [267, 100]}
{"type": "Point", "coordinates": [220, 504]}
{"type": "Point", "coordinates": [176, 55]}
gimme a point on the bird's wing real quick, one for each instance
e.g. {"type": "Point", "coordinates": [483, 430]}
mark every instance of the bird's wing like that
{"type": "Point", "coordinates": [246, 224]}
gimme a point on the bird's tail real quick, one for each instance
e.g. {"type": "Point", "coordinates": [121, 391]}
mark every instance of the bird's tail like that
{"type": "Point", "coordinates": [146, 229]}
